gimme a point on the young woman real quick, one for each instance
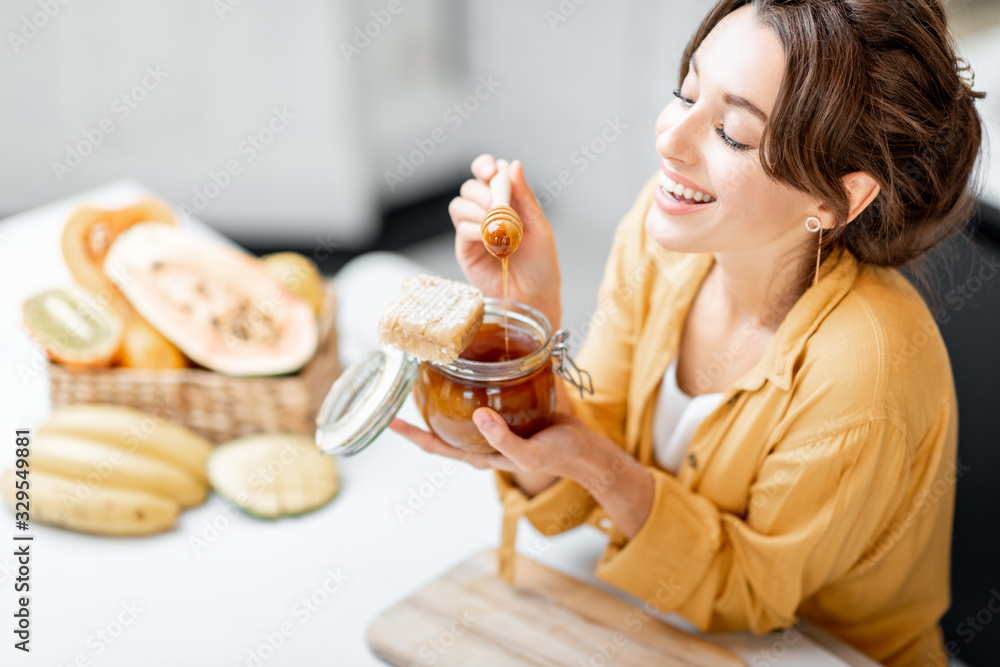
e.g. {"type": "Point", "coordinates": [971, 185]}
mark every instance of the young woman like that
{"type": "Point", "coordinates": [773, 427]}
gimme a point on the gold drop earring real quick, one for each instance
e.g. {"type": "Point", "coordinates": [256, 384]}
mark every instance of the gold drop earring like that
{"type": "Point", "coordinates": [813, 224]}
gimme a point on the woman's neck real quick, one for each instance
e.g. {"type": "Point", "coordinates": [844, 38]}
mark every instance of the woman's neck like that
{"type": "Point", "coordinates": [751, 288]}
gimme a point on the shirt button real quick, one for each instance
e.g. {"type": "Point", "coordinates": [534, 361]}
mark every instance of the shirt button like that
{"type": "Point", "coordinates": [692, 460]}
{"type": "Point", "coordinates": [606, 523]}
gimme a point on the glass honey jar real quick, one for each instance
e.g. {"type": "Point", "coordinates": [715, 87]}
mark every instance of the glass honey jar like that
{"type": "Point", "coordinates": [516, 377]}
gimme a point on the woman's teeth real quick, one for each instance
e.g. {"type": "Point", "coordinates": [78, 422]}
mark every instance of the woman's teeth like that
{"type": "Point", "coordinates": [681, 192]}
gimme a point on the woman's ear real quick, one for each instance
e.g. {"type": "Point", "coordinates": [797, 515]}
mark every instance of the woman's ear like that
{"type": "Point", "coordinates": [861, 190]}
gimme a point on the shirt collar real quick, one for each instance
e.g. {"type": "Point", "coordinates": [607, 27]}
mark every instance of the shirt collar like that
{"type": "Point", "coordinates": [836, 276]}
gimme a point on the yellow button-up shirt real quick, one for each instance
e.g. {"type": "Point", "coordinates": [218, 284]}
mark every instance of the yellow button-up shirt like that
{"type": "Point", "coordinates": [822, 485]}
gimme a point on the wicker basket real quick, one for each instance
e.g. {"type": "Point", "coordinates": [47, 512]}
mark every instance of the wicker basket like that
{"type": "Point", "coordinates": [217, 406]}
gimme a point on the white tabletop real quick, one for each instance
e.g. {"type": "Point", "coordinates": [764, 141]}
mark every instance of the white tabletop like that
{"type": "Point", "coordinates": [216, 588]}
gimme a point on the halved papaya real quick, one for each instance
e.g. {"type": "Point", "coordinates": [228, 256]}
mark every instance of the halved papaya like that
{"type": "Point", "coordinates": [216, 303]}
{"type": "Point", "coordinates": [89, 233]}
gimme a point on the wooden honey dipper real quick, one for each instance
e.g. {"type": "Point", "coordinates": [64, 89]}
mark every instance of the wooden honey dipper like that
{"type": "Point", "coordinates": [501, 228]}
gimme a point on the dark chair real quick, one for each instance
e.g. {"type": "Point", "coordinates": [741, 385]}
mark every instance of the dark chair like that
{"type": "Point", "coordinates": [969, 285]}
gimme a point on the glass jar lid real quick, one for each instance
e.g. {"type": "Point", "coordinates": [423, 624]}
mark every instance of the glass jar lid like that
{"type": "Point", "coordinates": [364, 400]}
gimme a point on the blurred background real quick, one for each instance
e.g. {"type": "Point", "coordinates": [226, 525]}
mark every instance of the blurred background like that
{"type": "Point", "coordinates": [352, 125]}
{"type": "Point", "coordinates": [338, 128]}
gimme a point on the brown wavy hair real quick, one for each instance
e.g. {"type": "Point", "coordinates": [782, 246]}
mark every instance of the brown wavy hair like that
{"type": "Point", "coordinates": [872, 86]}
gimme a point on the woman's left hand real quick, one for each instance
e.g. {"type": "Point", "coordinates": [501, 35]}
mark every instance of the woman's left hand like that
{"type": "Point", "coordinates": [567, 448]}
{"type": "Point", "coordinates": [551, 451]}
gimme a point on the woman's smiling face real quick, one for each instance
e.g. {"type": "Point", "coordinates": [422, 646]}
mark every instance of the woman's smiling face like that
{"type": "Point", "coordinates": [708, 140]}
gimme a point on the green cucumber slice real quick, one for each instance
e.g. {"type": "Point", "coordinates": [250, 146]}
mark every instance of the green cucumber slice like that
{"type": "Point", "coordinates": [271, 475]}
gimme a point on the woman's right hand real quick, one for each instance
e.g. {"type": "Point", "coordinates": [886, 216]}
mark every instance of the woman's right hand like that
{"type": "Point", "coordinates": [533, 269]}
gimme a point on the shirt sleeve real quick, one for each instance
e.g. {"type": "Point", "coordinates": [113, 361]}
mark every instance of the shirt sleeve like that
{"type": "Point", "coordinates": [813, 513]}
{"type": "Point", "coordinates": [606, 355]}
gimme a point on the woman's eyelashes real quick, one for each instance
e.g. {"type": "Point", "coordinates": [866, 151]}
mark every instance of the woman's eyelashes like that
{"type": "Point", "coordinates": [732, 143]}
{"type": "Point", "coordinates": [687, 101]}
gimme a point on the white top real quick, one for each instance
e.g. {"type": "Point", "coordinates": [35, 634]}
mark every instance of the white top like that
{"type": "Point", "coordinates": [677, 416]}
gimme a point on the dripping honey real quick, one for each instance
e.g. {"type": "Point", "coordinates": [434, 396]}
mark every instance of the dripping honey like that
{"type": "Point", "coordinates": [498, 241]}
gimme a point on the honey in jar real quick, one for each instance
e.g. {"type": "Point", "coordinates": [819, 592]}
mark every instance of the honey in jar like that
{"type": "Point", "coordinates": [521, 388]}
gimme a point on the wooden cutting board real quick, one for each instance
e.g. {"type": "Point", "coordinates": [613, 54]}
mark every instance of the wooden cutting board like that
{"type": "Point", "coordinates": [468, 617]}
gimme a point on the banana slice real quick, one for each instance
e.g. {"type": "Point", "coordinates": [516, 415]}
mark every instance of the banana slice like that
{"type": "Point", "coordinates": [94, 464]}
{"type": "Point", "coordinates": [104, 511]}
{"type": "Point", "coordinates": [271, 475]}
{"type": "Point", "coordinates": [132, 430]}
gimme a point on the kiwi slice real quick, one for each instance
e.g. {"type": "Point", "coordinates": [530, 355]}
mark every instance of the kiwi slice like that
{"type": "Point", "coordinates": [73, 326]}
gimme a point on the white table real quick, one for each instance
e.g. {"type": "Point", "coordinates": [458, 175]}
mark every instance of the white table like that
{"type": "Point", "coordinates": [168, 600]}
